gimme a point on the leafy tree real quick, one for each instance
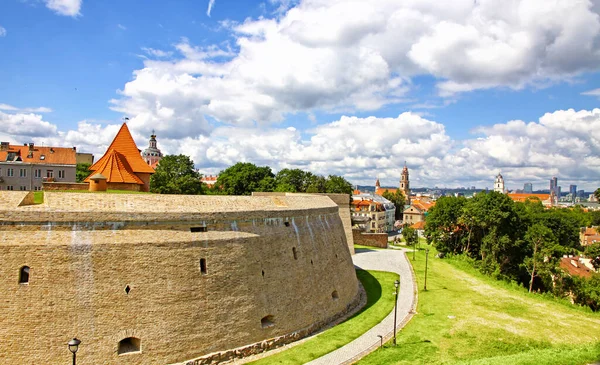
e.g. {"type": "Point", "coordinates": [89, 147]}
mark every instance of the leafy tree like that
{"type": "Point", "coordinates": [82, 171]}
{"type": "Point", "coordinates": [243, 178]}
{"type": "Point", "coordinates": [176, 175]}
{"type": "Point", "coordinates": [542, 241]}
{"type": "Point", "coordinates": [398, 199]}
{"type": "Point", "coordinates": [597, 194]}
{"type": "Point", "coordinates": [316, 184]}
{"type": "Point", "coordinates": [442, 227]}
{"type": "Point", "coordinates": [410, 236]}
{"type": "Point", "coordinates": [593, 252]}
{"type": "Point", "coordinates": [293, 180]}
{"type": "Point", "coordinates": [338, 185]}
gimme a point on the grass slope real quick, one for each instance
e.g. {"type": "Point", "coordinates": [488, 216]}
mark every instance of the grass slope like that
{"type": "Point", "coordinates": [378, 306]}
{"type": "Point", "coordinates": [467, 318]}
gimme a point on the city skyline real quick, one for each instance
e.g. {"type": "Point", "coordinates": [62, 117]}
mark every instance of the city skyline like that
{"type": "Point", "coordinates": [460, 91]}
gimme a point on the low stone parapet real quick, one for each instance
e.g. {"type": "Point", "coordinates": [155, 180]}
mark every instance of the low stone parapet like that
{"type": "Point", "coordinates": [53, 186]}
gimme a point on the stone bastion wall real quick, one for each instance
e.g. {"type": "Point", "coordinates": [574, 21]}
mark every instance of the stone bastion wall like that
{"type": "Point", "coordinates": [151, 279]}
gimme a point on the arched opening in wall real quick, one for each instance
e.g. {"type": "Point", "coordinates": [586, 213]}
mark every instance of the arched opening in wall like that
{"type": "Point", "coordinates": [287, 224]}
{"type": "Point", "coordinates": [267, 321]}
{"type": "Point", "coordinates": [335, 295]}
{"type": "Point", "coordinates": [295, 253]}
{"type": "Point", "coordinates": [203, 266]}
{"type": "Point", "coordinates": [129, 345]}
{"type": "Point", "coordinates": [198, 229]}
{"type": "Point", "coordinates": [24, 275]}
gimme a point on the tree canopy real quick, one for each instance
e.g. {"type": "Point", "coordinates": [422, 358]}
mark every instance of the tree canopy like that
{"type": "Point", "coordinates": [244, 177]}
{"type": "Point", "coordinates": [175, 174]}
{"type": "Point", "coordinates": [398, 199]}
{"type": "Point", "coordinates": [82, 171]}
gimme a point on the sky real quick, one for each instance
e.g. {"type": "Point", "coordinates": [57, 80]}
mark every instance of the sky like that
{"type": "Point", "coordinates": [459, 91]}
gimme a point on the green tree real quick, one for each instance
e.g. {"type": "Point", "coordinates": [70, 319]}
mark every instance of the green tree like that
{"type": "Point", "coordinates": [593, 252]}
{"type": "Point", "coordinates": [292, 180]}
{"type": "Point", "coordinates": [411, 236]}
{"type": "Point", "coordinates": [398, 199]}
{"type": "Point", "coordinates": [244, 177]}
{"type": "Point", "coordinates": [597, 194]}
{"type": "Point", "coordinates": [542, 242]}
{"type": "Point", "coordinates": [176, 175]}
{"type": "Point", "coordinates": [316, 184]}
{"type": "Point", "coordinates": [82, 171]}
{"type": "Point", "coordinates": [442, 228]}
{"type": "Point", "coordinates": [338, 185]}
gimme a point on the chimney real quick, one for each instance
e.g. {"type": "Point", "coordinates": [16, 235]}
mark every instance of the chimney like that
{"type": "Point", "coordinates": [74, 148]}
{"type": "Point", "coordinates": [30, 147]}
{"type": "Point", "coordinates": [4, 146]}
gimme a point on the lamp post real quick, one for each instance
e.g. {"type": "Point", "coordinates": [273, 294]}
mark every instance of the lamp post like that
{"type": "Point", "coordinates": [73, 347]}
{"type": "Point", "coordinates": [397, 285]}
{"type": "Point", "coordinates": [426, 257]}
{"type": "Point", "coordinates": [380, 341]}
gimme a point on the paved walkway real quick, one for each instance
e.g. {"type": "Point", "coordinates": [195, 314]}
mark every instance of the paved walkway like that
{"type": "Point", "coordinates": [382, 260]}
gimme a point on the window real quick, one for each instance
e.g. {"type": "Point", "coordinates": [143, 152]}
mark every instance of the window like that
{"type": "Point", "coordinates": [61, 174]}
{"type": "Point", "coordinates": [335, 295]}
{"type": "Point", "coordinates": [203, 266]}
{"type": "Point", "coordinates": [267, 321]}
{"type": "Point", "coordinates": [22, 173]}
{"type": "Point", "coordinates": [42, 157]}
{"type": "Point", "coordinates": [24, 275]}
{"type": "Point", "coordinates": [50, 173]}
{"type": "Point", "coordinates": [129, 345]}
{"type": "Point", "coordinates": [37, 173]}
{"type": "Point", "coordinates": [10, 172]}
{"type": "Point", "coordinates": [9, 187]}
{"type": "Point", "coordinates": [22, 188]}
{"type": "Point", "coordinates": [197, 229]}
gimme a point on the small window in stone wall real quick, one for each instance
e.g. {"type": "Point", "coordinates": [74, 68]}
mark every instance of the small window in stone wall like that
{"type": "Point", "coordinates": [203, 266]}
{"type": "Point", "coordinates": [287, 224]}
{"type": "Point", "coordinates": [267, 321]}
{"type": "Point", "coordinates": [295, 253]}
{"type": "Point", "coordinates": [198, 229]}
{"type": "Point", "coordinates": [24, 275]}
{"type": "Point", "coordinates": [129, 345]}
{"type": "Point", "coordinates": [335, 295]}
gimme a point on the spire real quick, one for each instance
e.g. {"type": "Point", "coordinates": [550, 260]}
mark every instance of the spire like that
{"type": "Point", "coordinates": [377, 184]}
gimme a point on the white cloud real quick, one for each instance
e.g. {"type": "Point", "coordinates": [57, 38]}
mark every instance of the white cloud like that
{"type": "Point", "coordinates": [2, 31]}
{"type": "Point", "coordinates": [65, 7]}
{"type": "Point", "coordinates": [157, 52]}
{"type": "Point", "coordinates": [121, 26]}
{"type": "Point", "coordinates": [349, 56]}
{"type": "Point", "coordinates": [11, 108]}
{"type": "Point", "coordinates": [26, 125]}
{"type": "Point", "coordinates": [595, 92]}
{"type": "Point", "coordinates": [211, 3]}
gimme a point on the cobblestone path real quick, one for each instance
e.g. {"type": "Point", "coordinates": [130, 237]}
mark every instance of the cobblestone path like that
{"type": "Point", "coordinates": [381, 260]}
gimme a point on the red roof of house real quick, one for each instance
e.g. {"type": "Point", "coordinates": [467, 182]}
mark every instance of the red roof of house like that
{"type": "Point", "coordinates": [380, 191]}
{"type": "Point", "coordinates": [42, 155]}
{"type": "Point", "coordinates": [419, 225]}
{"type": "Point", "coordinates": [574, 267]}
{"type": "Point", "coordinates": [522, 197]}
{"type": "Point", "coordinates": [122, 160]}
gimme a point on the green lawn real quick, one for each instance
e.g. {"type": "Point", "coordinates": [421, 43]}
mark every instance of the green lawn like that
{"type": "Point", "coordinates": [467, 318]}
{"type": "Point", "coordinates": [367, 247]}
{"type": "Point", "coordinates": [378, 306]}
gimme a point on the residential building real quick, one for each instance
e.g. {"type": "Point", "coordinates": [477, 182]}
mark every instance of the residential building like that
{"type": "Point", "coordinates": [589, 235]}
{"type": "Point", "coordinates": [577, 266]}
{"type": "Point", "coordinates": [87, 158]}
{"type": "Point", "coordinates": [380, 211]}
{"type": "Point", "coordinates": [122, 164]}
{"type": "Point", "coordinates": [209, 180]}
{"type": "Point", "coordinates": [416, 211]}
{"type": "Point", "coordinates": [546, 199]}
{"type": "Point", "coordinates": [26, 167]}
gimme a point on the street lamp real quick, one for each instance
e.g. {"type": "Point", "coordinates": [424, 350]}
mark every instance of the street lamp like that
{"type": "Point", "coordinates": [426, 257]}
{"type": "Point", "coordinates": [380, 341]}
{"type": "Point", "coordinates": [73, 347]}
{"type": "Point", "coordinates": [397, 285]}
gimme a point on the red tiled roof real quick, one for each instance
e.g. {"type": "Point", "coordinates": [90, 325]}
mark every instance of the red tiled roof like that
{"type": "Point", "coordinates": [419, 225]}
{"type": "Point", "coordinates": [42, 155]}
{"type": "Point", "coordinates": [380, 191]}
{"type": "Point", "coordinates": [122, 160]}
{"type": "Point", "coordinates": [567, 264]}
{"type": "Point", "coordinates": [522, 197]}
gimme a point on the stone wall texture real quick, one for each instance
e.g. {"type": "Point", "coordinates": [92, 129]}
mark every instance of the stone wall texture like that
{"type": "Point", "coordinates": [343, 203]}
{"type": "Point", "coordinates": [49, 186]}
{"type": "Point", "coordinates": [370, 239]}
{"type": "Point", "coordinates": [284, 259]}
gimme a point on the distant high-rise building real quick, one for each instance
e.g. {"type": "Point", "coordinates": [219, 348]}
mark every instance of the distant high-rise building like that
{"type": "Point", "coordinates": [554, 185]}
{"type": "Point", "coordinates": [528, 188]}
{"type": "Point", "coordinates": [581, 194]}
{"type": "Point", "coordinates": [573, 192]}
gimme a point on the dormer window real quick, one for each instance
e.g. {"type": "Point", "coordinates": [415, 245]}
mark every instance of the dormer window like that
{"type": "Point", "coordinates": [42, 157]}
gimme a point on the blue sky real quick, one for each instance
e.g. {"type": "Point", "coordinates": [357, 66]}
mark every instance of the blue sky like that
{"type": "Point", "coordinates": [334, 87]}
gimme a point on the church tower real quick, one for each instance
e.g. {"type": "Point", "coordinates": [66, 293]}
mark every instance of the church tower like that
{"type": "Point", "coordinates": [405, 184]}
{"type": "Point", "coordinates": [152, 154]}
{"type": "Point", "coordinates": [377, 185]}
{"type": "Point", "coordinates": [499, 184]}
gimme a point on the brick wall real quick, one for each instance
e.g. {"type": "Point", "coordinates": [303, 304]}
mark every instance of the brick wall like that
{"type": "Point", "coordinates": [49, 186]}
{"type": "Point", "coordinates": [81, 262]}
{"type": "Point", "coordinates": [370, 239]}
